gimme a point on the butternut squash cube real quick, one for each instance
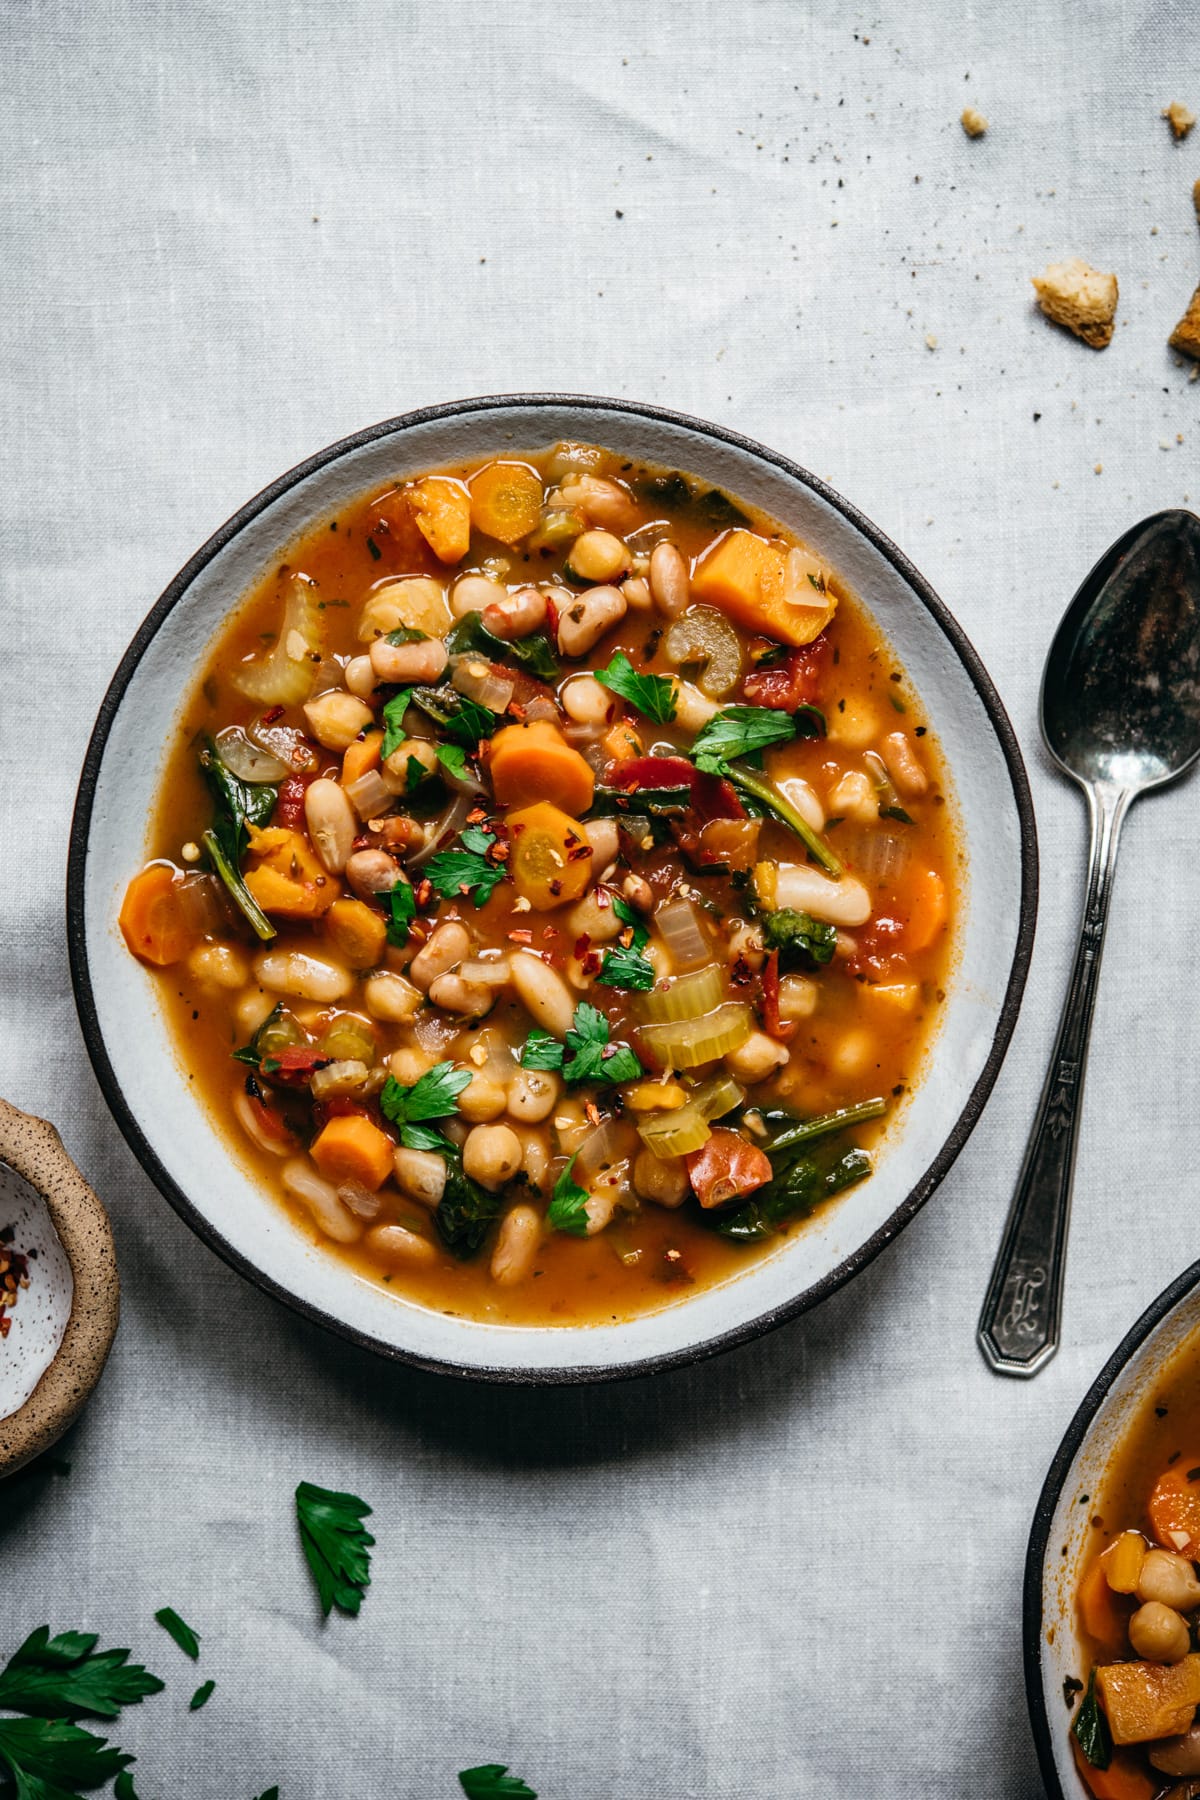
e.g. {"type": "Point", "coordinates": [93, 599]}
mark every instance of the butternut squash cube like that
{"type": "Point", "coordinates": [286, 878]}
{"type": "Point", "coordinates": [442, 507]}
{"type": "Point", "coordinates": [782, 594]}
{"type": "Point", "coordinates": [1145, 1700]}
{"type": "Point", "coordinates": [357, 932]}
{"type": "Point", "coordinates": [1122, 1562]}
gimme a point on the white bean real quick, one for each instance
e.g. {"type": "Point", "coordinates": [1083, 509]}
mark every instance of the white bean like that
{"type": "Point", "coordinates": [746, 944]}
{"type": "Point", "coordinates": [669, 580]}
{"type": "Point", "coordinates": [854, 798]}
{"type": "Point", "coordinates": [423, 660]}
{"type": "Point", "coordinates": [421, 1174]}
{"type": "Point", "coordinates": [516, 1245]}
{"type": "Point", "coordinates": [308, 977]}
{"type": "Point", "coordinates": [532, 1094]}
{"type": "Point", "coordinates": [396, 1244]}
{"type": "Point", "coordinates": [605, 838]}
{"type": "Point", "coordinates": [372, 872]}
{"type": "Point", "coordinates": [844, 902]}
{"type": "Point", "coordinates": [756, 1059]}
{"type": "Point", "coordinates": [517, 615]}
{"type": "Point", "coordinates": [492, 1155]}
{"type": "Point", "coordinates": [471, 593]}
{"type": "Point", "coordinates": [904, 765]}
{"type": "Point", "coordinates": [244, 1113]}
{"type": "Point", "coordinates": [253, 1008]}
{"type": "Point", "coordinates": [446, 946]}
{"type": "Point", "coordinates": [601, 502]}
{"type": "Point", "coordinates": [320, 1197]}
{"type": "Point", "coordinates": [218, 966]}
{"type": "Point", "coordinates": [335, 719]}
{"type": "Point", "coordinates": [586, 701]}
{"type": "Point", "coordinates": [331, 823]}
{"type": "Point", "coordinates": [588, 918]}
{"type": "Point", "coordinates": [535, 1159]}
{"type": "Point", "coordinates": [693, 710]}
{"type": "Point", "coordinates": [599, 1208]}
{"type": "Point", "coordinates": [637, 593]}
{"type": "Point", "coordinates": [543, 993]}
{"type": "Point", "coordinates": [804, 799]}
{"type": "Point", "coordinates": [587, 618]}
{"type": "Point", "coordinates": [390, 997]}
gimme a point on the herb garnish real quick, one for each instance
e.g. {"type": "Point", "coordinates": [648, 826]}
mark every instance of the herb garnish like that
{"type": "Point", "coordinates": [65, 1677]}
{"type": "Point", "coordinates": [237, 805]}
{"type": "Point", "coordinates": [739, 731]}
{"type": "Point", "coordinates": [393, 722]}
{"type": "Point", "coordinates": [464, 720]}
{"type": "Point", "coordinates": [466, 1210]}
{"type": "Point", "coordinates": [624, 965]}
{"type": "Point", "coordinates": [542, 1050]}
{"type": "Point", "coordinates": [1091, 1730]}
{"type": "Point", "coordinates": [49, 1759]}
{"type": "Point", "coordinates": [567, 1208]}
{"type": "Point", "coordinates": [434, 1096]}
{"type": "Point", "coordinates": [535, 653]}
{"type": "Point", "coordinates": [758, 788]}
{"type": "Point", "coordinates": [336, 1546]}
{"type": "Point", "coordinates": [452, 757]}
{"type": "Point", "coordinates": [123, 1788]}
{"type": "Point", "coordinates": [402, 905]}
{"type": "Point", "coordinates": [174, 1626]}
{"type": "Point", "coordinates": [651, 695]}
{"type": "Point", "coordinates": [492, 1781]}
{"type": "Point", "coordinates": [204, 1694]}
{"type": "Point", "coordinates": [406, 634]}
{"type": "Point", "coordinates": [800, 939]}
{"type": "Point", "coordinates": [469, 870]}
{"type": "Point", "coordinates": [586, 1055]}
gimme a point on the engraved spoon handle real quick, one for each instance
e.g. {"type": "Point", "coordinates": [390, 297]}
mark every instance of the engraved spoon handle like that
{"type": "Point", "coordinates": [1022, 1312]}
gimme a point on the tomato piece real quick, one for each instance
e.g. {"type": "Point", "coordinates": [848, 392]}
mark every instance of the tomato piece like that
{"type": "Point", "coordinates": [289, 806]}
{"type": "Point", "coordinates": [712, 797]}
{"type": "Point", "coordinates": [795, 680]}
{"type": "Point", "coordinates": [726, 1168]}
{"type": "Point", "coordinates": [294, 1065]}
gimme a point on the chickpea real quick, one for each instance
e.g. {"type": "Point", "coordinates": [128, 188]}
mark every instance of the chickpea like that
{"type": "Point", "coordinates": [669, 580]}
{"type": "Point", "coordinates": [582, 623]}
{"type": "Point", "coordinates": [516, 616]}
{"type": "Point", "coordinates": [585, 701]}
{"type": "Point", "coordinates": [421, 1174]}
{"type": "Point", "coordinates": [218, 966]}
{"type": "Point", "coordinates": [360, 676]}
{"type": "Point", "coordinates": [756, 1059]}
{"type": "Point", "coordinates": [516, 1245]}
{"type": "Point", "coordinates": [396, 772]}
{"type": "Point", "coordinates": [854, 798]}
{"type": "Point", "coordinates": [589, 918]}
{"type": "Point", "coordinates": [483, 1099]}
{"type": "Point", "coordinates": [445, 947]}
{"type": "Point", "coordinates": [408, 1064]}
{"type": "Point", "coordinates": [1169, 1579]}
{"type": "Point", "coordinates": [1159, 1634]}
{"type": "Point", "coordinates": [599, 1208]}
{"type": "Point", "coordinates": [391, 998]}
{"type": "Point", "coordinates": [492, 1155]}
{"type": "Point", "coordinates": [531, 1095]}
{"type": "Point", "coordinates": [663, 1179]}
{"type": "Point", "coordinates": [797, 997]}
{"type": "Point", "coordinates": [423, 660]}
{"type": "Point", "coordinates": [598, 556]}
{"type": "Point", "coordinates": [335, 719]}
{"type": "Point", "coordinates": [472, 593]}
{"type": "Point", "coordinates": [396, 1244]}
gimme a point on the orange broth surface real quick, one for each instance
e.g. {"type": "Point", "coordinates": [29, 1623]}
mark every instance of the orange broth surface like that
{"type": "Point", "coordinates": [870, 1013]}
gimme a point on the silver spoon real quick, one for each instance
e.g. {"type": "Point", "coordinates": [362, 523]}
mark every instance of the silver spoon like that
{"type": "Point", "coordinates": [1120, 715]}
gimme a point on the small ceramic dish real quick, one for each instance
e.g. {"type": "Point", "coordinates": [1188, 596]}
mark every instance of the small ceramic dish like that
{"type": "Point", "coordinates": [1053, 1653]}
{"type": "Point", "coordinates": [135, 1058]}
{"type": "Point", "coordinates": [56, 1244]}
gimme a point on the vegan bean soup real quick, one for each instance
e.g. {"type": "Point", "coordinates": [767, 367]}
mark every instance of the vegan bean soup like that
{"type": "Point", "coordinates": [553, 886]}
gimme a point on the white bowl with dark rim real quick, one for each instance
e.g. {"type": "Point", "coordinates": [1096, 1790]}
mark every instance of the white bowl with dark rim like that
{"type": "Point", "coordinates": [135, 1057]}
{"type": "Point", "coordinates": [1061, 1524]}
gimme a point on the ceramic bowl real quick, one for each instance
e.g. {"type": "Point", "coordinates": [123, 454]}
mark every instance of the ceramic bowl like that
{"type": "Point", "coordinates": [1060, 1525]}
{"type": "Point", "coordinates": [61, 1328]}
{"type": "Point", "coordinates": [128, 1041]}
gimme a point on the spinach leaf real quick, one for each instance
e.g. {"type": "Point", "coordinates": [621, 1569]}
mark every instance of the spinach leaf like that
{"type": "Point", "coordinates": [800, 939]}
{"type": "Point", "coordinates": [1091, 1731]}
{"type": "Point", "coordinates": [534, 654]}
{"type": "Point", "coordinates": [463, 720]}
{"type": "Point", "coordinates": [798, 1187]}
{"type": "Point", "coordinates": [236, 805]}
{"type": "Point", "coordinates": [466, 1211]}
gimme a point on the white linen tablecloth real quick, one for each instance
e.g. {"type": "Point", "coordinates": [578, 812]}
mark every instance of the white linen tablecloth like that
{"type": "Point", "coordinates": [233, 233]}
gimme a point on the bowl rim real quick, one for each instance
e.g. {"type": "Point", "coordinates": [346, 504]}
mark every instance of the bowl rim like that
{"type": "Point", "coordinates": [1033, 1610]}
{"type": "Point", "coordinates": [962, 1127]}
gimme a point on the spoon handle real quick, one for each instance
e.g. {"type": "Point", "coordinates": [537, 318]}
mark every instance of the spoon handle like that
{"type": "Point", "coordinates": [1022, 1313]}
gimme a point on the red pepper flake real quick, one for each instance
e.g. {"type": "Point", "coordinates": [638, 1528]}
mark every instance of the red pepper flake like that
{"type": "Point", "coordinates": [423, 892]}
{"type": "Point", "coordinates": [773, 1025]}
{"type": "Point", "coordinates": [582, 945]}
{"type": "Point", "coordinates": [273, 717]}
{"type": "Point", "coordinates": [592, 1111]}
{"type": "Point", "coordinates": [549, 933]}
{"type": "Point", "coordinates": [604, 898]}
{"type": "Point", "coordinates": [580, 851]}
{"type": "Point", "coordinates": [741, 974]}
{"type": "Point", "coordinates": [517, 710]}
{"type": "Point", "coordinates": [555, 887]}
{"type": "Point", "coordinates": [591, 964]}
{"type": "Point", "coordinates": [14, 1275]}
{"type": "Point", "coordinates": [476, 815]}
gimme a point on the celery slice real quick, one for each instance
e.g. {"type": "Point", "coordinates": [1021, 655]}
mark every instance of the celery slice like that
{"type": "Point", "coordinates": [686, 997]}
{"type": "Point", "coordinates": [686, 1043]}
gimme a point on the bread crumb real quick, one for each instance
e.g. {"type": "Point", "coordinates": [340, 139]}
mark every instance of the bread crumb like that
{"type": "Point", "coordinates": [973, 121]}
{"type": "Point", "coordinates": [1186, 335]}
{"type": "Point", "coordinates": [1180, 118]}
{"type": "Point", "coordinates": [1083, 299]}
{"type": "Point", "coordinates": [1099, 469]}
{"type": "Point", "coordinates": [1196, 198]}
{"type": "Point", "coordinates": [930, 341]}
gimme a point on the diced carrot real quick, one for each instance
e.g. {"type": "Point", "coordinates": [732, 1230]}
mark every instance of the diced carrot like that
{"type": "Point", "coordinates": [747, 578]}
{"type": "Point", "coordinates": [621, 742]}
{"type": "Point", "coordinates": [550, 859]}
{"type": "Point", "coordinates": [1174, 1510]}
{"type": "Point", "coordinates": [1099, 1611]}
{"type": "Point", "coordinates": [360, 757]}
{"type": "Point", "coordinates": [287, 879]}
{"type": "Point", "coordinates": [357, 932]}
{"type": "Point", "coordinates": [506, 500]}
{"type": "Point", "coordinates": [1144, 1700]}
{"type": "Point", "coordinates": [351, 1148]}
{"type": "Point", "coordinates": [152, 920]}
{"type": "Point", "coordinates": [443, 512]}
{"type": "Point", "coordinates": [1124, 1778]}
{"type": "Point", "coordinates": [535, 762]}
{"type": "Point", "coordinates": [926, 910]}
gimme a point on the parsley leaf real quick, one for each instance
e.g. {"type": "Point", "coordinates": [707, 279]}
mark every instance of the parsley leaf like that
{"type": "Point", "coordinates": [463, 720]}
{"type": "Point", "coordinates": [468, 870]}
{"type": "Point", "coordinates": [123, 1788]}
{"type": "Point", "coordinates": [739, 731]}
{"type": "Point", "coordinates": [624, 966]}
{"type": "Point", "coordinates": [798, 937]}
{"type": "Point", "coordinates": [202, 1696]}
{"type": "Point", "coordinates": [335, 1545]}
{"type": "Point", "coordinates": [651, 695]}
{"type": "Point", "coordinates": [566, 1211]}
{"type": "Point", "coordinates": [434, 1096]}
{"type": "Point", "coordinates": [406, 634]}
{"type": "Point", "coordinates": [49, 1759]}
{"type": "Point", "coordinates": [393, 722]}
{"type": "Point", "coordinates": [588, 1055]}
{"type": "Point", "coordinates": [542, 1051]}
{"type": "Point", "coordinates": [66, 1678]}
{"type": "Point", "coordinates": [174, 1626]}
{"type": "Point", "coordinates": [492, 1781]}
{"type": "Point", "coordinates": [452, 757]}
{"type": "Point", "coordinates": [272, 1793]}
{"type": "Point", "coordinates": [403, 906]}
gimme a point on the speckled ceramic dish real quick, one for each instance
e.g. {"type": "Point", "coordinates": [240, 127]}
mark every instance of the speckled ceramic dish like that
{"type": "Point", "coordinates": [1060, 1525]}
{"type": "Point", "coordinates": [134, 1055]}
{"type": "Point", "coordinates": [54, 1235]}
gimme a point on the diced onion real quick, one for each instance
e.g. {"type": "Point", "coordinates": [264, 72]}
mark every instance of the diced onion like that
{"type": "Point", "coordinates": [494, 973]}
{"type": "Point", "coordinates": [675, 1133]}
{"type": "Point", "coordinates": [477, 681]}
{"type": "Point", "coordinates": [684, 936]}
{"type": "Point", "coordinates": [248, 761]}
{"type": "Point", "coordinates": [283, 741]}
{"type": "Point", "coordinates": [705, 636]}
{"type": "Point", "coordinates": [686, 1043]}
{"type": "Point", "coordinates": [370, 795]}
{"type": "Point", "coordinates": [284, 677]}
{"type": "Point", "coordinates": [359, 1198]}
{"type": "Point", "coordinates": [609, 1145]}
{"type": "Point", "coordinates": [877, 856]}
{"type": "Point", "coordinates": [542, 707]}
{"type": "Point", "coordinates": [687, 997]}
{"type": "Point", "coordinates": [442, 829]}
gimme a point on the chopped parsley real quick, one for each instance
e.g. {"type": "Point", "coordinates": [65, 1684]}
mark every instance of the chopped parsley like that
{"type": "Point", "coordinates": [651, 695]}
{"type": "Point", "coordinates": [799, 938]}
{"type": "Point", "coordinates": [187, 1639]}
{"type": "Point", "coordinates": [624, 965]}
{"type": "Point", "coordinates": [336, 1546]}
{"type": "Point", "coordinates": [492, 1781]}
{"type": "Point", "coordinates": [393, 722]}
{"type": "Point", "coordinates": [739, 731]}
{"type": "Point", "coordinates": [65, 1677]}
{"type": "Point", "coordinates": [202, 1696]}
{"type": "Point", "coordinates": [567, 1208]}
{"type": "Point", "coordinates": [542, 1051]}
{"type": "Point", "coordinates": [402, 906]}
{"type": "Point", "coordinates": [434, 1096]}
{"type": "Point", "coordinates": [406, 634]}
{"type": "Point", "coordinates": [586, 1055]}
{"type": "Point", "coordinates": [468, 870]}
{"type": "Point", "coordinates": [452, 757]}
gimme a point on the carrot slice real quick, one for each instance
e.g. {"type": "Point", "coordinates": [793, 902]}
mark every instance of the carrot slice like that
{"type": "Point", "coordinates": [361, 757]}
{"type": "Point", "coordinates": [151, 919]}
{"type": "Point", "coordinates": [1174, 1510]}
{"type": "Point", "coordinates": [1099, 1610]}
{"type": "Point", "coordinates": [927, 909]}
{"type": "Point", "coordinates": [1124, 1778]}
{"type": "Point", "coordinates": [351, 1148]}
{"type": "Point", "coordinates": [506, 500]}
{"type": "Point", "coordinates": [550, 859]}
{"type": "Point", "coordinates": [535, 762]}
